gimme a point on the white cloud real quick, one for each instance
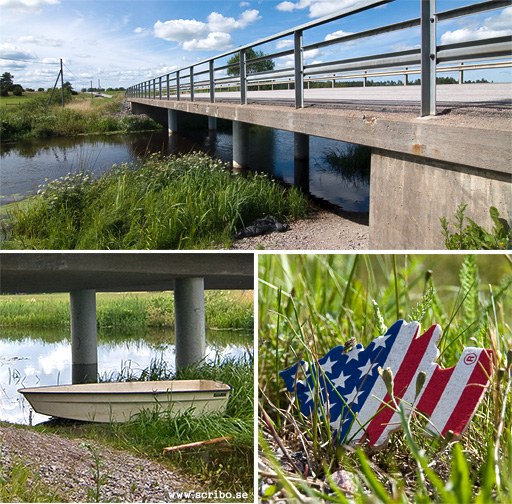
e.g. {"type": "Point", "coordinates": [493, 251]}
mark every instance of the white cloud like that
{"type": "Point", "coordinates": [180, 30]}
{"type": "Point", "coordinates": [244, 4]}
{"type": "Point", "coordinates": [195, 35]}
{"type": "Point", "coordinates": [218, 23]}
{"type": "Point", "coordinates": [216, 41]}
{"type": "Point", "coordinates": [336, 34]}
{"type": "Point", "coordinates": [317, 8]}
{"type": "Point", "coordinates": [31, 6]}
{"type": "Point", "coordinates": [11, 51]}
{"type": "Point", "coordinates": [495, 26]}
{"type": "Point", "coordinates": [284, 44]}
{"type": "Point", "coordinates": [41, 40]}
{"type": "Point", "coordinates": [139, 30]}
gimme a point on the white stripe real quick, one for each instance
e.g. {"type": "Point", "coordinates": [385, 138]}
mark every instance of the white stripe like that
{"type": "Point", "coordinates": [454, 388]}
{"type": "Point", "coordinates": [393, 361]}
{"type": "Point", "coordinates": [428, 365]}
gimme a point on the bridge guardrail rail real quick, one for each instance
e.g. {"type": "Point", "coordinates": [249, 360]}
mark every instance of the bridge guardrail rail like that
{"type": "Point", "coordinates": [427, 59]}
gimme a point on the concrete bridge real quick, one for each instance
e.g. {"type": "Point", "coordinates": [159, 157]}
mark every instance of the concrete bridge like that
{"type": "Point", "coordinates": [84, 274]}
{"type": "Point", "coordinates": [433, 147]}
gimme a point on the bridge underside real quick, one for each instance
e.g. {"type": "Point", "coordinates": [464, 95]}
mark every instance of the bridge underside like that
{"type": "Point", "coordinates": [422, 168]}
{"type": "Point", "coordinates": [83, 274]}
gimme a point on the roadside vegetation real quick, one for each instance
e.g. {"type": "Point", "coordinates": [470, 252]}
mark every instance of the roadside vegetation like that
{"type": "Point", "coordinates": [223, 310]}
{"type": "Point", "coordinates": [29, 116]}
{"type": "Point", "coordinates": [472, 236]}
{"type": "Point", "coordinates": [186, 202]}
{"type": "Point", "coordinates": [310, 303]}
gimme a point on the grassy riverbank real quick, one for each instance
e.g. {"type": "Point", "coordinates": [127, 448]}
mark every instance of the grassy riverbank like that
{"type": "Point", "coordinates": [224, 310]}
{"type": "Point", "coordinates": [309, 304]}
{"type": "Point", "coordinates": [226, 467]}
{"type": "Point", "coordinates": [31, 118]}
{"type": "Point", "coordinates": [188, 202]}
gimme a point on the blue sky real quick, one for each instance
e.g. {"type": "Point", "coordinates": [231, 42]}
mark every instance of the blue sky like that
{"type": "Point", "coordinates": [122, 42]}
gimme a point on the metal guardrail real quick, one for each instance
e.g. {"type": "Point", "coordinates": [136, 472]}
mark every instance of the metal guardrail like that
{"type": "Point", "coordinates": [212, 74]}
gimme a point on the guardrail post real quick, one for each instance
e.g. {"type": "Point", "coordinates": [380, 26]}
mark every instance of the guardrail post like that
{"type": "Point", "coordinates": [178, 93]}
{"type": "Point", "coordinates": [159, 88]}
{"type": "Point", "coordinates": [168, 90]}
{"type": "Point", "coordinates": [461, 74]}
{"type": "Point", "coordinates": [243, 78]}
{"type": "Point", "coordinates": [428, 57]}
{"type": "Point", "coordinates": [191, 83]}
{"type": "Point", "coordinates": [212, 81]}
{"type": "Point", "coordinates": [154, 89]}
{"type": "Point", "coordinates": [299, 70]}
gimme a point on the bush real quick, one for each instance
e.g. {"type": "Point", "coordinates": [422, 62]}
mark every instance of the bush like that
{"type": "Point", "coordinates": [475, 237]}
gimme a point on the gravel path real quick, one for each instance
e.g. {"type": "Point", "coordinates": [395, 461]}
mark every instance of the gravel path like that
{"type": "Point", "coordinates": [321, 230]}
{"type": "Point", "coordinates": [65, 467]}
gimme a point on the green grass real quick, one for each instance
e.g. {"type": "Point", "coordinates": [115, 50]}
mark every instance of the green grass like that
{"type": "Point", "coordinates": [224, 467]}
{"type": "Point", "coordinates": [31, 118]}
{"type": "Point", "coordinates": [187, 202]}
{"type": "Point", "coordinates": [223, 309]}
{"type": "Point", "coordinates": [311, 303]}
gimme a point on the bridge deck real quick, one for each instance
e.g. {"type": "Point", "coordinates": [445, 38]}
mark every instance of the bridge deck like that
{"type": "Point", "coordinates": [473, 126]}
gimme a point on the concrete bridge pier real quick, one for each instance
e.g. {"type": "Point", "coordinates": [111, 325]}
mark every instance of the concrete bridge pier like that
{"type": "Point", "coordinates": [240, 145]}
{"type": "Point", "coordinates": [172, 121]}
{"type": "Point", "coordinates": [212, 123]}
{"type": "Point", "coordinates": [84, 337]}
{"type": "Point", "coordinates": [301, 161]}
{"type": "Point", "coordinates": [409, 195]}
{"type": "Point", "coordinates": [190, 320]}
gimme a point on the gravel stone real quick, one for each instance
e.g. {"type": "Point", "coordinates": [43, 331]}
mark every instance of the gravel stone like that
{"type": "Point", "coordinates": [66, 467]}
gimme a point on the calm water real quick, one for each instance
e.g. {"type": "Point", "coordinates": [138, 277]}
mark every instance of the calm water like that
{"type": "Point", "coordinates": [32, 358]}
{"type": "Point", "coordinates": [26, 164]}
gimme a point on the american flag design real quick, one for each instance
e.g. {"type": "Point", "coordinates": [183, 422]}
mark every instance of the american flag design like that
{"type": "Point", "coordinates": [354, 399]}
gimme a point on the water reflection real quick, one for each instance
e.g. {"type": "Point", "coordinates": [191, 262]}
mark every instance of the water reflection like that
{"type": "Point", "coordinates": [30, 358]}
{"type": "Point", "coordinates": [26, 164]}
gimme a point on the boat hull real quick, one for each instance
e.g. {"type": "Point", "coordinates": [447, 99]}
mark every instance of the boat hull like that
{"type": "Point", "coordinates": [122, 402]}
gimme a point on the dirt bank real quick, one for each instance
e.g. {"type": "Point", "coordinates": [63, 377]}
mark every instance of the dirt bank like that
{"type": "Point", "coordinates": [321, 230]}
{"type": "Point", "coordinates": [65, 466]}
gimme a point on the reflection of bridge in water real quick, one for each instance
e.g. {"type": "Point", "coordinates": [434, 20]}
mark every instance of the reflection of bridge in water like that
{"type": "Point", "coordinates": [422, 168]}
{"type": "Point", "coordinates": [84, 274]}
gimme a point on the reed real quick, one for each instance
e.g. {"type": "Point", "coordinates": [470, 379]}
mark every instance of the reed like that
{"type": "Point", "coordinates": [322, 301]}
{"type": "Point", "coordinates": [188, 202]}
{"type": "Point", "coordinates": [223, 309]}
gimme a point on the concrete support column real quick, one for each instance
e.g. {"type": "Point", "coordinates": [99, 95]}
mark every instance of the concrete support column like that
{"type": "Point", "coordinates": [212, 123]}
{"type": "Point", "coordinates": [190, 321]}
{"type": "Point", "coordinates": [84, 337]}
{"type": "Point", "coordinates": [301, 161]}
{"type": "Point", "coordinates": [240, 145]}
{"type": "Point", "coordinates": [172, 121]}
{"type": "Point", "coordinates": [409, 194]}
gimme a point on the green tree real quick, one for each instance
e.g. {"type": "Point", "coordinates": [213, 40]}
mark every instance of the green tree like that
{"type": "Point", "coordinates": [6, 83]}
{"type": "Point", "coordinates": [252, 68]}
{"type": "Point", "coordinates": [17, 90]}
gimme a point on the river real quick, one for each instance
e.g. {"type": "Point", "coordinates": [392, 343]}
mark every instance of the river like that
{"type": "Point", "coordinates": [26, 164]}
{"type": "Point", "coordinates": [38, 357]}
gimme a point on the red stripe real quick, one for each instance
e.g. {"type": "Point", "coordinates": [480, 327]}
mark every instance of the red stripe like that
{"type": "Point", "coordinates": [472, 395]}
{"type": "Point", "coordinates": [434, 389]}
{"type": "Point", "coordinates": [403, 378]}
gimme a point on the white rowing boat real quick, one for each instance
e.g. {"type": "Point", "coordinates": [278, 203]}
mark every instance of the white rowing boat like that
{"type": "Point", "coordinates": [121, 402]}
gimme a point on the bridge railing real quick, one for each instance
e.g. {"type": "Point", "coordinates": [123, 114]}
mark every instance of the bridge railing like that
{"type": "Point", "coordinates": [426, 57]}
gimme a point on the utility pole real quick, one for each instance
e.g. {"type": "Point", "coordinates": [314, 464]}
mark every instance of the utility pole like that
{"type": "Point", "coordinates": [62, 83]}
